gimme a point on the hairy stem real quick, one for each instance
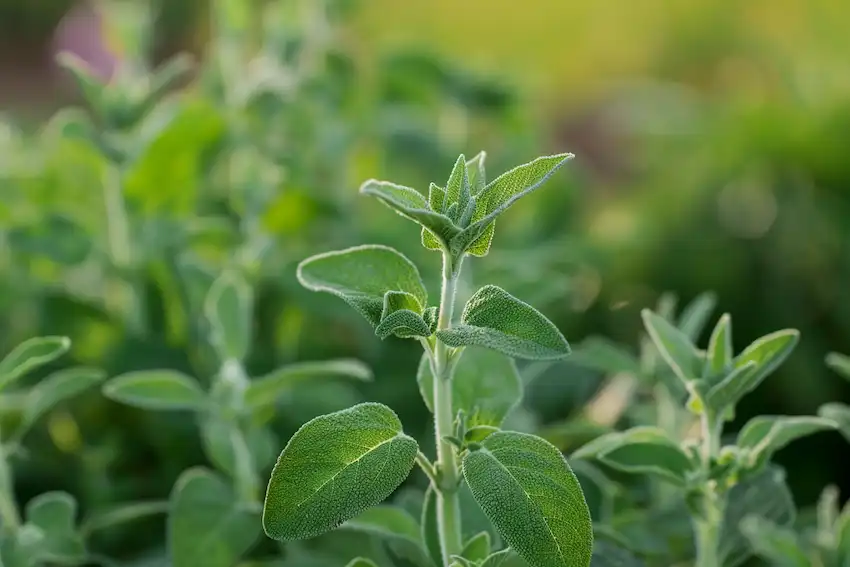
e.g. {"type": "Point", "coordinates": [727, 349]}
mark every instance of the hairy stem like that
{"type": "Point", "coordinates": [708, 524]}
{"type": "Point", "coordinates": [448, 506]}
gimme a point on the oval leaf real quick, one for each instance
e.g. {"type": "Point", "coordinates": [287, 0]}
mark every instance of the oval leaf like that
{"type": "Point", "coordinates": [840, 363]}
{"type": "Point", "coordinates": [729, 391]}
{"type": "Point", "coordinates": [477, 548]}
{"type": "Point", "coordinates": [207, 526]}
{"type": "Point", "coordinates": [495, 319]}
{"type": "Point", "coordinates": [599, 353]}
{"type": "Point", "coordinates": [840, 414]}
{"type": "Point", "coordinates": [228, 309]}
{"type": "Point", "coordinates": [333, 468]}
{"type": "Point", "coordinates": [695, 315]}
{"type": "Point", "coordinates": [361, 276]}
{"type": "Point", "coordinates": [531, 495]}
{"type": "Point", "coordinates": [267, 389]}
{"type": "Point", "coordinates": [768, 352]}
{"type": "Point", "coordinates": [719, 355]}
{"type": "Point", "coordinates": [764, 435]}
{"type": "Point", "coordinates": [29, 355]}
{"type": "Point", "coordinates": [54, 513]}
{"type": "Point", "coordinates": [57, 387]}
{"type": "Point", "coordinates": [485, 385]}
{"type": "Point", "coordinates": [674, 346]}
{"type": "Point", "coordinates": [156, 390]}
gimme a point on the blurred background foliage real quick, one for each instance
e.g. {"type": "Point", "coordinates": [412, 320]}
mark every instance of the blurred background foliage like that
{"type": "Point", "coordinates": [711, 140]}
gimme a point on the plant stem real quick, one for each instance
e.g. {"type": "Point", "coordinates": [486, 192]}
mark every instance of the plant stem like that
{"type": "Point", "coordinates": [708, 524]}
{"type": "Point", "coordinates": [448, 505]}
{"type": "Point", "coordinates": [10, 518]}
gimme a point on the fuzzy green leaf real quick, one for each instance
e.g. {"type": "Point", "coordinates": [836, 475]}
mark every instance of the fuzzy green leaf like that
{"type": "Point", "coordinates": [601, 354]}
{"type": "Point", "coordinates": [765, 434]}
{"type": "Point", "coordinates": [228, 309]}
{"type": "Point", "coordinates": [29, 355]}
{"type": "Point", "coordinates": [207, 525]}
{"type": "Point", "coordinates": [56, 388]}
{"type": "Point", "coordinates": [156, 390]}
{"type": "Point", "coordinates": [531, 495]}
{"type": "Point", "coordinates": [394, 525]}
{"type": "Point", "coordinates": [430, 528]}
{"type": "Point", "coordinates": [495, 319]}
{"type": "Point", "coordinates": [695, 315]}
{"type": "Point", "coordinates": [607, 554]}
{"type": "Point", "coordinates": [361, 562]}
{"type": "Point", "coordinates": [122, 514]}
{"type": "Point", "coordinates": [402, 317]}
{"type": "Point", "coordinates": [840, 414]}
{"type": "Point", "coordinates": [477, 548]}
{"type": "Point", "coordinates": [498, 558]}
{"type": "Point", "coordinates": [361, 276]}
{"type": "Point", "coordinates": [718, 359]}
{"type": "Point", "coordinates": [840, 363]}
{"type": "Point", "coordinates": [774, 543]}
{"type": "Point", "coordinates": [674, 346]}
{"type": "Point", "coordinates": [335, 467]}
{"type": "Point", "coordinates": [458, 191]}
{"type": "Point", "coordinates": [729, 391]}
{"type": "Point", "coordinates": [768, 352]}
{"type": "Point", "coordinates": [486, 386]}
{"type": "Point", "coordinates": [54, 513]}
{"type": "Point", "coordinates": [267, 389]}
{"type": "Point", "coordinates": [412, 205]}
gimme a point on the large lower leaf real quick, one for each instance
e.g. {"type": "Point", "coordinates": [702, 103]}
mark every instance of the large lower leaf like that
{"type": "Point", "coordinates": [207, 526]}
{"type": "Point", "coordinates": [486, 386]}
{"type": "Point", "coordinates": [495, 319]}
{"type": "Point", "coordinates": [531, 495]}
{"type": "Point", "coordinates": [719, 355]}
{"type": "Point", "coordinates": [361, 276]}
{"type": "Point", "coordinates": [335, 467]}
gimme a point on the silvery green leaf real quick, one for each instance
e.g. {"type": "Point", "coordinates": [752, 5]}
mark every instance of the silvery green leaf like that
{"type": "Point", "coordinates": [430, 528]}
{"type": "Point", "coordinates": [361, 562]}
{"type": "Point", "coordinates": [361, 276]}
{"type": "Point", "coordinates": [695, 315]}
{"type": "Point", "coordinates": [674, 346]}
{"type": "Point", "coordinates": [768, 352]}
{"type": "Point", "coordinates": [335, 467]}
{"type": "Point", "coordinates": [573, 433]}
{"type": "Point", "coordinates": [485, 385]}
{"type": "Point", "coordinates": [531, 495]}
{"type": "Point", "coordinates": [718, 357]}
{"type": "Point", "coordinates": [238, 451]}
{"type": "Point", "coordinates": [765, 495]}
{"type": "Point", "coordinates": [430, 316]}
{"type": "Point", "coordinates": [840, 414]}
{"type": "Point", "coordinates": [458, 191]}
{"type": "Point", "coordinates": [411, 204]}
{"type": "Point", "coordinates": [729, 391]}
{"type": "Point", "coordinates": [601, 354]}
{"type": "Point", "coordinates": [207, 525]}
{"type": "Point", "coordinates": [640, 450]}
{"type": "Point", "coordinates": [607, 554]}
{"type": "Point", "coordinates": [24, 548]}
{"type": "Point", "coordinates": [404, 324]}
{"type": "Point", "coordinates": [498, 558]}
{"type": "Point", "coordinates": [765, 434]}
{"type": "Point", "coordinates": [478, 433]}
{"type": "Point", "coordinates": [395, 526]}
{"type": "Point", "coordinates": [54, 513]}
{"type": "Point", "coordinates": [477, 173]}
{"type": "Point", "coordinates": [56, 388]}
{"type": "Point", "coordinates": [29, 355]}
{"type": "Point", "coordinates": [499, 195]}
{"type": "Point", "coordinates": [495, 319]}
{"type": "Point", "coordinates": [123, 513]}
{"type": "Point", "coordinates": [267, 389]}
{"type": "Point", "coordinates": [774, 543]}
{"type": "Point", "coordinates": [840, 363]}
{"type": "Point", "coordinates": [228, 308]}
{"type": "Point", "coordinates": [156, 390]}
{"type": "Point", "coordinates": [477, 548]}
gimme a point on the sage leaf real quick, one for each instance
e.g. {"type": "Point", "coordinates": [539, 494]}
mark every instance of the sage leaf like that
{"type": "Point", "coordinates": [718, 359]}
{"type": "Point", "coordinates": [495, 319]}
{"type": "Point", "coordinates": [674, 346]}
{"type": "Point", "coordinates": [695, 315]}
{"type": "Point", "coordinates": [267, 389]}
{"type": "Point", "coordinates": [412, 205]}
{"type": "Point", "coordinates": [361, 562]}
{"type": "Point", "coordinates": [54, 513]}
{"type": "Point", "coordinates": [765, 495]}
{"type": "Point", "coordinates": [122, 514]}
{"type": "Point", "coordinates": [335, 467]}
{"type": "Point", "coordinates": [485, 385]}
{"type": "Point", "coordinates": [768, 352]}
{"type": "Point", "coordinates": [777, 544]}
{"type": "Point", "coordinates": [763, 435]}
{"type": "Point", "coordinates": [607, 554]}
{"type": "Point", "coordinates": [457, 189]}
{"type": "Point", "coordinates": [430, 528]}
{"type": "Point", "coordinates": [498, 558]}
{"type": "Point", "coordinates": [90, 85]}
{"type": "Point", "coordinates": [404, 324]}
{"type": "Point", "coordinates": [207, 525]}
{"type": "Point", "coordinates": [29, 355]}
{"type": "Point", "coordinates": [477, 548]}
{"type": "Point", "coordinates": [397, 527]}
{"type": "Point", "coordinates": [600, 354]}
{"type": "Point", "coordinates": [840, 414]}
{"type": "Point", "coordinates": [156, 390]}
{"type": "Point", "coordinates": [228, 308]}
{"type": "Point", "coordinates": [840, 363]}
{"type": "Point", "coordinates": [728, 392]}
{"type": "Point", "coordinates": [361, 276]}
{"type": "Point", "coordinates": [477, 173]}
{"type": "Point", "coordinates": [527, 489]}
{"type": "Point", "coordinates": [56, 388]}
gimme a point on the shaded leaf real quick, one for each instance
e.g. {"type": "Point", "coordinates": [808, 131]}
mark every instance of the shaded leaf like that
{"type": "Point", "coordinates": [29, 355]}
{"type": "Point", "coordinates": [607, 554]}
{"type": "Point", "coordinates": [768, 352]}
{"type": "Point", "coordinates": [531, 495]}
{"type": "Point", "coordinates": [840, 363]}
{"type": "Point", "coordinates": [477, 548]}
{"type": "Point", "coordinates": [335, 467]}
{"type": "Point", "coordinates": [56, 388]}
{"type": "Point", "coordinates": [156, 390]}
{"type": "Point", "coordinates": [430, 528]}
{"type": "Point", "coordinates": [674, 346]}
{"type": "Point", "coordinates": [123, 513]}
{"type": "Point", "coordinates": [361, 562]}
{"type": "Point", "coordinates": [228, 308]}
{"type": "Point", "coordinates": [763, 435]}
{"type": "Point", "coordinates": [494, 319]}
{"type": "Point", "coordinates": [718, 359]}
{"type": "Point", "coordinates": [361, 276]}
{"type": "Point", "coordinates": [397, 527]}
{"type": "Point", "coordinates": [695, 315]}
{"type": "Point", "coordinates": [729, 391]}
{"type": "Point", "coordinates": [777, 544]}
{"type": "Point", "coordinates": [267, 389]}
{"type": "Point", "coordinates": [54, 513]}
{"type": "Point", "coordinates": [603, 355]}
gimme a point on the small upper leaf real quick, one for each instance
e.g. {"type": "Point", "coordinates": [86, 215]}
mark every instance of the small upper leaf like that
{"type": "Point", "coordinates": [361, 562]}
{"type": "Point", "coordinates": [486, 386]}
{"type": "Point", "coordinates": [531, 495]}
{"type": "Point", "coordinates": [840, 363]}
{"type": "Point", "coordinates": [429, 526]}
{"type": "Point", "coordinates": [333, 468]}
{"type": "Point", "coordinates": [156, 390]}
{"type": "Point", "coordinates": [228, 309]}
{"type": "Point", "coordinates": [733, 387]}
{"type": "Point", "coordinates": [29, 355]}
{"type": "Point", "coordinates": [495, 319]}
{"type": "Point", "coordinates": [674, 346]}
{"type": "Point", "coordinates": [267, 389]}
{"type": "Point", "coordinates": [768, 352]}
{"type": "Point", "coordinates": [695, 315]}
{"type": "Point", "coordinates": [477, 548]}
{"type": "Point", "coordinates": [719, 356]}
{"type": "Point", "coordinates": [361, 276]}
{"type": "Point", "coordinates": [765, 434]}
{"type": "Point", "coordinates": [54, 513]}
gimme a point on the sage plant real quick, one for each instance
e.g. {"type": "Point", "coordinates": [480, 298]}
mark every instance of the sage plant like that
{"type": "Point", "coordinates": [339, 465]}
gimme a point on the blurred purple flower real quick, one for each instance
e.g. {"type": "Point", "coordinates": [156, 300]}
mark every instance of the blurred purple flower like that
{"type": "Point", "coordinates": [81, 32]}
